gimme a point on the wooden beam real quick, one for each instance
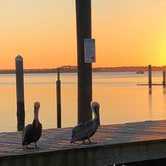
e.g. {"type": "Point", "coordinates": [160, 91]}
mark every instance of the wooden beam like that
{"type": "Point", "coordinates": [83, 18]}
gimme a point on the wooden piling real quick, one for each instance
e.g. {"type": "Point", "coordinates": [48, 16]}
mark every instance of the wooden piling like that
{"type": "Point", "coordinates": [83, 20]}
{"type": "Point", "coordinates": [58, 93]}
{"type": "Point", "coordinates": [20, 93]}
{"type": "Point", "coordinates": [150, 78]}
{"type": "Point", "coordinates": [164, 79]}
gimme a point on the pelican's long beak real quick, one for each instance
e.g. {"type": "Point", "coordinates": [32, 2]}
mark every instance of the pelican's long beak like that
{"type": "Point", "coordinates": [37, 105]}
{"type": "Point", "coordinates": [98, 115]}
{"type": "Point", "coordinates": [96, 107]}
{"type": "Point", "coordinates": [36, 109]}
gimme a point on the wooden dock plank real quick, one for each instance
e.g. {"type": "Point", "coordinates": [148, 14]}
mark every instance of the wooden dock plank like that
{"type": "Point", "coordinates": [109, 139]}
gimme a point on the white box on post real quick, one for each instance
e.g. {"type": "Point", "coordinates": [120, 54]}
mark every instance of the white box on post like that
{"type": "Point", "coordinates": [89, 50]}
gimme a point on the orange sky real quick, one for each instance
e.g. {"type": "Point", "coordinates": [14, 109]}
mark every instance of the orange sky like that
{"type": "Point", "coordinates": [127, 32]}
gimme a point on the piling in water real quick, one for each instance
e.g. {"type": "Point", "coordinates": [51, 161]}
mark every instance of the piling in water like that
{"type": "Point", "coordinates": [20, 93]}
{"type": "Point", "coordinates": [58, 92]}
{"type": "Point", "coordinates": [164, 79]}
{"type": "Point", "coordinates": [150, 78]}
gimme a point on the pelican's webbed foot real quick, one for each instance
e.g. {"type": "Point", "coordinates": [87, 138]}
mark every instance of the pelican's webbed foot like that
{"type": "Point", "coordinates": [36, 145]}
{"type": "Point", "coordinates": [89, 141]}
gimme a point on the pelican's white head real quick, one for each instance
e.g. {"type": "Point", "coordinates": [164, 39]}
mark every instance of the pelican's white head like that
{"type": "Point", "coordinates": [37, 104]}
{"type": "Point", "coordinates": [95, 105]}
{"type": "Point", "coordinates": [36, 109]}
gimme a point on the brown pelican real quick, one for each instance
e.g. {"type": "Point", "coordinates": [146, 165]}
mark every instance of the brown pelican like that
{"type": "Point", "coordinates": [32, 132]}
{"type": "Point", "coordinates": [87, 129]}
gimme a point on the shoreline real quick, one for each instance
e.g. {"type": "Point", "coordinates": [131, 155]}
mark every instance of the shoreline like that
{"type": "Point", "coordinates": [73, 69]}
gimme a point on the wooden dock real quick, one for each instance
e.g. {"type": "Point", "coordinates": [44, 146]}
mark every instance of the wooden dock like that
{"type": "Point", "coordinates": [115, 144]}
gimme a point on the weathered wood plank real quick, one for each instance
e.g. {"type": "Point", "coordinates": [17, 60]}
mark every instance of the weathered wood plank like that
{"type": "Point", "coordinates": [120, 143]}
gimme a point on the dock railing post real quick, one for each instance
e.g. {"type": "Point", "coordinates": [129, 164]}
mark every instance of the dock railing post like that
{"type": "Point", "coordinates": [20, 93]}
{"type": "Point", "coordinates": [150, 78]}
{"type": "Point", "coordinates": [58, 93]}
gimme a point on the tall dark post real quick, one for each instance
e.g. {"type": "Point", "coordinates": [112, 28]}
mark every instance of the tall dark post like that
{"type": "Point", "coordinates": [58, 92]}
{"type": "Point", "coordinates": [150, 78]}
{"type": "Point", "coordinates": [20, 93]}
{"type": "Point", "coordinates": [83, 17]}
{"type": "Point", "coordinates": [164, 79]}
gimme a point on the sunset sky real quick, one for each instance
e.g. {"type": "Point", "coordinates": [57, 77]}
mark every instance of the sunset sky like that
{"type": "Point", "coordinates": [127, 32]}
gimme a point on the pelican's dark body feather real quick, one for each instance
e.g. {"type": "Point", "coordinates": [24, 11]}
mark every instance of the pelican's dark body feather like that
{"type": "Point", "coordinates": [86, 130]}
{"type": "Point", "coordinates": [32, 133]}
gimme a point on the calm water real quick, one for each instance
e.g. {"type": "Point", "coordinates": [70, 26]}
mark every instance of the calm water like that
{"type": "Point", "coordinates": [120, 98]}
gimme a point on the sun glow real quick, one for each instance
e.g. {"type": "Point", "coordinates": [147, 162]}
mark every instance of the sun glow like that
{"type": "Point", "coordinates": [127, 32]}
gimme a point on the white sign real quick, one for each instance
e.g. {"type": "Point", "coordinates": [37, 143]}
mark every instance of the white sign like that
{"type": "Point", "coordinates": [89, 50]}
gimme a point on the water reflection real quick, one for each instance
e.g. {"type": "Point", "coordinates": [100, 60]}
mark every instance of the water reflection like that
{"type": "Point", "coordinates": [150, 105]}
{"type": "Point", "coordinates": [164, 99]}
{"type": "Point", "coordinates": [164, 90]}
{"type": "Point", "coordinates": [150, 91]}
{"type": "Point", "coordinates": [120, 98]}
